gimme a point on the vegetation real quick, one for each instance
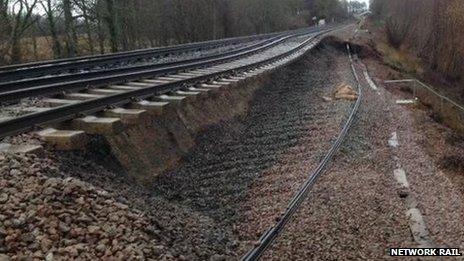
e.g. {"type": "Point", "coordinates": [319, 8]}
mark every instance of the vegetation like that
{"type": "Point", "coordinates": [44, 29]}
{"type": "Point", "coordinates": [432, 29]}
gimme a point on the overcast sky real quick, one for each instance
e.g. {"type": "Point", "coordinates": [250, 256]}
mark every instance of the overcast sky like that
{"type": "Point", "coordinates": [366, 1]}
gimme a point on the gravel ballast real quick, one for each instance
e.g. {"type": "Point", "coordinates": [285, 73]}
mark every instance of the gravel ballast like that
{"type": "Point", "coordinates": [192, 212]}
{"type": "Point", "coordinates": [240, 177]}
{"type": "Point", "coordinates": [355, 211]}
{"type": "Point", "coordinates": [232, 179]}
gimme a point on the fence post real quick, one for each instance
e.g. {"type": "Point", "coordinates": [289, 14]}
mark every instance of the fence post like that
{"type": "Point", "coordinates": [414, 86]}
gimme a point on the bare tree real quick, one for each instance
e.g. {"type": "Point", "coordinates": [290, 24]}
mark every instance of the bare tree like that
{"type": "Point", "coordinates": [71, 35]}
{"type": "Point", "coordinates": [50, 13]}
{"type": "Point", "coordinates": [112, 25]}
{"type": "Point", "coordinates": [432, 29]}
{"type": "Point", "coordinates": [16, 23]}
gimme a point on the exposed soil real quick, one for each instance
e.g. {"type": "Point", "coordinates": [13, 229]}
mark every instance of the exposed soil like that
{"type": "Point", "coordinates": [234, 171]}
{"type": "Point", "coordinates": [441, 142]}
{"type": "Point", "coordinates": [432, 156]}
{"type": "Point", "coordinates": [193, 212]}
{"type": "Point", "coordinates": [241, 175]}
{"type": "Point", "coordinates": [353, 212]}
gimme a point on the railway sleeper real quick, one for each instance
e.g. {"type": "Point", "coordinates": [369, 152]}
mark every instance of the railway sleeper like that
{"type": "Point", "coordinates": [7, 148]}
{"type": "Point", "coordinates": [169, 78]}
{"type": "Point", "coordinates": [191, 74]}
{"type": "Point", "coordinates": [129, 116]}
{"type": "Point", "coordinates": [189, 94]}
{"type": "Point", "coordinates": [64, 139]}
{"type": "Point", "coordinates": [153, 81]}
{"type": "Point", "coordinates": [178, 100]}
{"type": "Point", "coordinates": [104, 91]}
{"type": "Point", "coordinates": [55, 102]}
{"type": "Point", "coordinates": [98, 125]}
{"type": "Point", "coordinates": [212, 86]}
{"type": "Point", "coordinates": [124, 87]}
{"type": "Point", "coordinates": [180, 77]}
{"type": "Point", "coordinates": [152, 107]}
{"type": "Point", "coordinates": [112, 122]}
{"type": "Point", "coordinates": [82, 96]}
{"type": "Point", "coordinates": [140, 84]}
{"type": "Point", "coordinates": [203, 92]}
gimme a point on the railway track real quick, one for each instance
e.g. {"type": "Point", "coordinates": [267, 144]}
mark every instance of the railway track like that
{"type": "Point", "coordinates": [15, 90]}
{"type": "Point", "coordinates": [136, 86]}
{"type": "Point", "coordinates": [14, 73]}
{"type": "Point", "coordinates": [270, 235]}
{"type": "Point", "coordinates": [63, 78]}
{"type": "Point", "coordinates": [61, 66]}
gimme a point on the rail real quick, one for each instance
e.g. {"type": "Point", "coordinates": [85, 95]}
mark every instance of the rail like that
{"type": "Point", "coordinates": [21, 71]}
{"type": "Point", "coordinates": [34, 82]}
{"type": "Point", "coordinates": [270, 235]}
{"type": "Point", "coordinates": [80, 84]}
{"type": "Point", "coordinates": [30, 121]}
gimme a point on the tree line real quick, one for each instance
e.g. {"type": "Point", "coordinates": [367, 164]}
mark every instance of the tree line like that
{"type": "Point", "coordinates": [433, 29]}
{"type": "Point", "coordinates": [51, 29]}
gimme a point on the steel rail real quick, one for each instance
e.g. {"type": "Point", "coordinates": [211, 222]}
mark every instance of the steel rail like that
{"type": "Point", "coordinates": [86, 63]}
{"type": "Point", "coordinates": [131, 76]}
{"type": "Point", "coordinates": [110, 55]}
{"type": "Point", "coordinates": [33, 82]}
{"type": "Point", "coordinates": [30, 121]}
{"type": "Point", "coordinates": [270, 235]}
{"type": "Point", "coordinates": [49, 67]}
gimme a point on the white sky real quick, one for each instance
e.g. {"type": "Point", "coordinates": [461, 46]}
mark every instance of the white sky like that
{"type": "Point", "coordinates": [366, 1]}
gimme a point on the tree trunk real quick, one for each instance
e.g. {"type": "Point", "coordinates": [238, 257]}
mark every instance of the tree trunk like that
{"type": "Point", "coordinates": [88, 29]}
{"type": "Point", "coordinates": [34, 46]}
{"type": "Point", "coordinates": [16, 55]}
{"type": "Point", "coordinates": [56, 45]}
{"type": "Point", "coordinates": [111, 22]}
{"type": "Point", "coordinates": [71, 39]}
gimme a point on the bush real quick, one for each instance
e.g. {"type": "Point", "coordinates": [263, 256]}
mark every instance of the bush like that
{"type": "Point", "coordinates": [396, 32]}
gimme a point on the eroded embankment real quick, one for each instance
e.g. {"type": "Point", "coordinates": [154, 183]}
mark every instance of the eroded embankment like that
{"type": "Point", "coordinates": [210, 151]}
{"type": "Point", "coordinates": [145, 151]}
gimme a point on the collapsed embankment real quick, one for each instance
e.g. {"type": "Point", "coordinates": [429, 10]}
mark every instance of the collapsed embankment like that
{"type": "Point", "coordinates": [198, 165]}
{"type": "Point", "coordinates": [86, 205]}
{"type": "Point", "coordinates": [147, 150]}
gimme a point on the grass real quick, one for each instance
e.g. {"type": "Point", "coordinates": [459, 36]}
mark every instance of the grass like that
{"type": "Point", "coordinates": [408, 63]}
{"type": "Point", "coordinates": [400, 60]}
{"type": "Point", "coordinates": [44, 48]}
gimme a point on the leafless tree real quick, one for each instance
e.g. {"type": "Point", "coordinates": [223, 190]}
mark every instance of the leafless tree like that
{"type": "Point", "coordinates": [74, 27]}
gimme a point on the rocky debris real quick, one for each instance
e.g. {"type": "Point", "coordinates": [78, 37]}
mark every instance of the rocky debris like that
{"type": "Point", "coordinates": [326, 99]}
{"type": "Point", "coordinates": [337, 222]}
{"type": "Point", "coordinates": [83, 204]}
{"type": "Point", "coordinates": [236, 170]}
{"type": "Point", "coordinates": [353, 211]}
{"type": "Point", "coordinates": [19, 109]}
{"type": "Point", "coordinates": [345, 92]}
{"type": "Point", "coordinates": [4, 257]}
{"type": "Point", "coordinates": [48, 217]}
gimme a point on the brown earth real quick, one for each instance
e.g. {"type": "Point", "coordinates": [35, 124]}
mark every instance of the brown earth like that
{"type": "Point", "coordinates": [224, 183]}
{"type": "Point", "coordinates": [181, 215]}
